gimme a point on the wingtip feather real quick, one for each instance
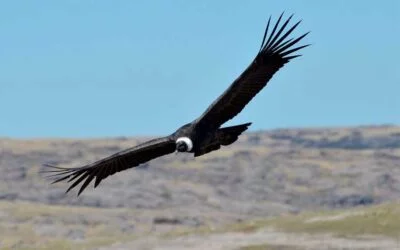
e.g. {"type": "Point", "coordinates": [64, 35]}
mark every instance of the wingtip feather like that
{"type": "Point", "coordinates": [276, 41]}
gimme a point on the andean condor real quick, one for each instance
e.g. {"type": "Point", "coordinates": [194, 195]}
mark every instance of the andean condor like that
{"type": "Point", "coordinates": [204, 134]}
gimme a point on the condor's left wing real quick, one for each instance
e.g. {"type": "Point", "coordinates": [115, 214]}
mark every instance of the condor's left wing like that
{"type": "Point", "coordinates": [101, 169]}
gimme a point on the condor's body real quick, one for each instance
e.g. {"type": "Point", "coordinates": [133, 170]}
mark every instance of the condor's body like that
{"type": "Point", "coordinates": [201, 140]}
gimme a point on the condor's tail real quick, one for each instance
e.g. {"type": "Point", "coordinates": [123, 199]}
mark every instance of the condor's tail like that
{"type": "Point", "coordinates": [229, 135]}
{"type": "Point", "coordinates": [223, 136]}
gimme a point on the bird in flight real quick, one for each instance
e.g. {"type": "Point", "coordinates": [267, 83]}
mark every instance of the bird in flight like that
{"type": "Point", "coordinates": [204, 134]}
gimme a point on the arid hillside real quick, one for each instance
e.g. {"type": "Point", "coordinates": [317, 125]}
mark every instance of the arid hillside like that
{"type": "Point", "coordinates": [264, 174]}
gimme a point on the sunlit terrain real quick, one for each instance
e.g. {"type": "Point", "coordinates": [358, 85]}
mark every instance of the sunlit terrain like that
{"type": "Point", "coordinates": [325, 188]}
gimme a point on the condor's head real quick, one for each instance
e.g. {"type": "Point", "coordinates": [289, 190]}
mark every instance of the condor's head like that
{"type": "Point", "coordinates": [184, 144]}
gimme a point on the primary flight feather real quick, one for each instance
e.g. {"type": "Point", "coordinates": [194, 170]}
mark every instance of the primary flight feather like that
{"type": "Point", "coordinates": [204, 134]}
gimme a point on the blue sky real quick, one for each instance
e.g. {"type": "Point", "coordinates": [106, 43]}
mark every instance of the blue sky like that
{"type": "Point", "coordinates": [126, 68]}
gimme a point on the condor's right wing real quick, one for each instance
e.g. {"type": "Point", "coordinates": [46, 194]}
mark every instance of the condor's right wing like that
{"type": "Point", "coordinates": [276, 50]}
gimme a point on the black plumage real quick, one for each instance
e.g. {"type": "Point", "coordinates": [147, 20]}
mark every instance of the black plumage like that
{"type": "Point", "coordinates": [204, 134]}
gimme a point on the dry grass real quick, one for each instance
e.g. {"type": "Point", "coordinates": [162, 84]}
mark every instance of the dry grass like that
{"type": "Point", "coordinates": [269, 247]}
{"type": "Point", "coordinates": [383, 220]}
{"type": "Point", "coordinates": [375, 220]}
{"type": "Point", "coordinates": [21, 225]}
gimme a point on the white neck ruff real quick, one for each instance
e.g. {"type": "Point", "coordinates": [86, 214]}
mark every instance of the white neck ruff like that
{"type": "Point", "coordinates": [187, 141]}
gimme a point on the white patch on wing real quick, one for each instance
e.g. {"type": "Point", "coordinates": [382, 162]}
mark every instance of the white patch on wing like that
{"type": "Point", "coordinates": [187, 141]}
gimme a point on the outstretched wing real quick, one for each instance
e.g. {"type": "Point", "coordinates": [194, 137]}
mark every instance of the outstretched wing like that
{"type": "Point", "coordinates": [275, 51]}
{"type": "Point", "coordinates": [101, 169]}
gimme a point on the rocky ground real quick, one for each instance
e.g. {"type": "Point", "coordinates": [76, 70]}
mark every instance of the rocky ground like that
{"type": "Point", "coordinates": [265, 174]}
